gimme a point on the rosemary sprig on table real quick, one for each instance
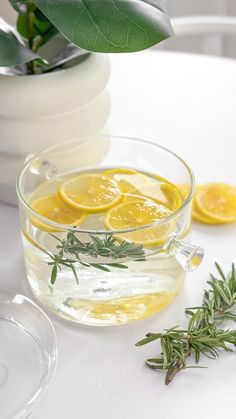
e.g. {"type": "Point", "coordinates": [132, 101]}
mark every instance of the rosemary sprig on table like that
{"type": "Point", "coordinates": [203, 336]}
{"type": "Point", "coordinates": [71, 248]}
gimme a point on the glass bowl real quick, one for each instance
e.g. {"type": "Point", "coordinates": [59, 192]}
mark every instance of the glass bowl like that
{"type": "Point", "coordinates": [89, 273]}
{"type": "Point", "coordinates": [28, 355]}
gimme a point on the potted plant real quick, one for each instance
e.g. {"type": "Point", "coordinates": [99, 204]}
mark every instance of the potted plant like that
{"type": "Point", "coordinates": [52, 80]}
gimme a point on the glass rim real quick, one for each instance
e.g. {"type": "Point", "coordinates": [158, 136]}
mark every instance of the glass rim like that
{"type": "Point", "coordinates": [68, 227]}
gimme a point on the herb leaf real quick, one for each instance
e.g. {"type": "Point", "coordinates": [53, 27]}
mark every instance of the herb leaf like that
{"type": "Point", "coordinates": [71, 249]}
{"type": "Point", "coordinates": [53, 274]}
{"type": "Point", "coordinates": [204, 336]}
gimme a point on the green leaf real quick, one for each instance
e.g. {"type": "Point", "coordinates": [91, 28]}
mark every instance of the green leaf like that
{"type": "Point", "coordinates": [43, 26]}
{"type": "Point", "coordinates": [74, 272]}
{"type": "Point", "coordinates": [54, 274]}
{"type": "Point", "coordinates": [22, 26]}
{"type": "Point", "coordinates": [155, 360]}
{"type": "Point", "coordinates": [117, 265]}
{"type": "Point", "coordinates": [99, 266]}
{"type": "Point", "coordinates": [220, 271]}
{"type": "Point", "coordinates": [154, 366]}
{"type": "Point", "coordinates": [12, 51]}
{"type": "Point", "coordinates": [150, 338]}
{"type": "Point", "coordinates": [109, 25]}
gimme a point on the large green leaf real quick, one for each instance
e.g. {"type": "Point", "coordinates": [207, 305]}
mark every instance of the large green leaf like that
{"type": "Point", "coordinates": [12, 51]}
{"type": "Point", "coordinates": [109, 25]}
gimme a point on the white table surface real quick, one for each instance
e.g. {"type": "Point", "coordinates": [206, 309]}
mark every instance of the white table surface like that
{"type": "Point", "coordinates": [187, 103]}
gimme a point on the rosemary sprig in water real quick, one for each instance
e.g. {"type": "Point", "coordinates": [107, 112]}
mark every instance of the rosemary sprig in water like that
{"type": "Point", "coordinates": [203, 336]}
{"type": "Point", "coordinates": [71, 248]}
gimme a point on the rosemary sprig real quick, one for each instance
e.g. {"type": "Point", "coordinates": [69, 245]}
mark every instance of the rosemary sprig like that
{"type": "Point", "coordinates": [71, 248]}
{"type": "Point", "coordinates": [203, 336]}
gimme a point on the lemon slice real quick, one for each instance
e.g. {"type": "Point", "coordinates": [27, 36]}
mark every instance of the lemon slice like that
{"type": "Point", "coordinates": [54, 209]}
{"type": "Point", "coordinates": [126, 197]}
{"type": "Point", "coordinates": [183, 190]}
{"type": "Point", "coordinates": [152, 187]}
{"type": "Point", "coordinates": [135, 214]}
{"type": "Point", "coordinates": [217, 201]}
{"type": "Point", "coordinates": [198, 215]}
{"type": "Point", "coordinates": [119, 171]}
{"type": "Point", "coordinates": [172, 195]}
{"type": "Point", "coordinates": [133, 308]}
{"type": "Point", "coordinates": [90, 192]}
{"type": "Point", "coordinates": [127, 179]}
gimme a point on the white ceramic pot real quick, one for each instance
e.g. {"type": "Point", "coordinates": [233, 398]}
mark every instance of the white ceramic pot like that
{"type": "Point", "coordinates": [41, 110]}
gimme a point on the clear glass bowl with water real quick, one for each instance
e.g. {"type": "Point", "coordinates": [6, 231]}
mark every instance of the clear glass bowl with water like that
{"type": "Point", "coordinates": [97, 291]}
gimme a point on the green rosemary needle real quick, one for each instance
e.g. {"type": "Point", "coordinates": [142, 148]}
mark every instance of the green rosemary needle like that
{"type": "Point", "coordinates": [204, 335]}
{"type": "Point", "coordinates": [72, 248]}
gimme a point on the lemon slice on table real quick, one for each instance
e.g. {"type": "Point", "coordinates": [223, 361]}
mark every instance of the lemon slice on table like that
{"type": "Point", "coordinates": [135, 214]}
{"type": "Point", "coordinates": [54, 209]}
{"type": "Point", "coordinates": [217, 201]}
{"type": "Point", "coordinates": [198, 215]}
{"type": "Point", "coordinates": [90, 192]}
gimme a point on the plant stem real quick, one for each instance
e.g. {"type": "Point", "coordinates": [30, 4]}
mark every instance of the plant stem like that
{"type": "Point", "coordinates": [177, 367]}
{"type": "Point", "coordinates": [30, 20]}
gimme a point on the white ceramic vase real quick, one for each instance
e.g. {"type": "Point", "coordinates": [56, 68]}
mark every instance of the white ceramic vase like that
{"type": "Point", "coordinates": [41, 110]}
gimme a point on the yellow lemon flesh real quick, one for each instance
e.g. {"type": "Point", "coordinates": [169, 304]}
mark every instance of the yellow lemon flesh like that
{"type": "Point", "coordinates": [128, 180]}
{"type": "Point", "coordinates": [152, 187]}
{"type": "Point", "coordinates": [120, 171]}
{"type": "Point", "coordinates": [183, 189]}
{"type": "Point", "coordinates": [53, 208]}
{"type": "Point", "coordinates": [198, 215]}
{"type": "Point", "coordinates": [217, 201]}
{"type": "Point", "coordinates": [135, 214]}
{"type": "Point", "coordinates": [173, 196]}
{"type": "Point", "coordinates": [90, 192]}
{"type": "Point", "coordinates": [137, 307]}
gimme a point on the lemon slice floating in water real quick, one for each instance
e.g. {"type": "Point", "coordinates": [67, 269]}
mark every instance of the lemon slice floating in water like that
{"type": "Point", "coordinates": [135, 214]}
{"type": "Point", "coordinates": [152, 187]}
{"type": "Point", "coordinates": [119, 171]}
{"type": "Point", "coordinates": [127, 179]}
{"type": "Point", "coordinates": [54, 209]}
{"type": "Point", "coordinates": [90, 192]}
{"type": "Point", "coordinates": [162, 191]}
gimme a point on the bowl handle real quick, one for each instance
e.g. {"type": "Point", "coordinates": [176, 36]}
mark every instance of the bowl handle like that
{"type": "Point", "coordinates": [189, 256]}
